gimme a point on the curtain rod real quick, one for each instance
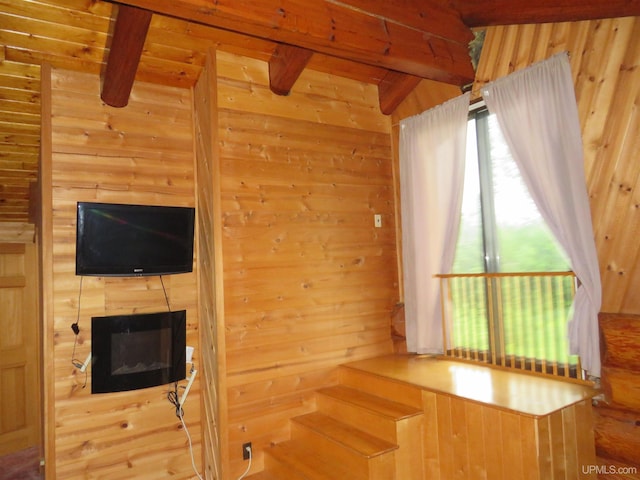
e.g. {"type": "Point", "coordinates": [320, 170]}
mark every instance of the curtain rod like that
{"type": "Point", "coordinates": [475, 104]}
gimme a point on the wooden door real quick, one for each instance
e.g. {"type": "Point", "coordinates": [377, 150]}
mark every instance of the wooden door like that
{"type": "Point", "coordinates": [19, 348]}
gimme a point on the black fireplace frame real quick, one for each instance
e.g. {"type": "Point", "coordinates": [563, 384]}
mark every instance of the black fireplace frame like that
{"type": "Point", "coordinates": [106, 329]}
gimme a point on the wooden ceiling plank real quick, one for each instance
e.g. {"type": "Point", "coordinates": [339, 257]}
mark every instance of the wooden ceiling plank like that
{"type": "Point", "coordinates": [53, 16]}
{"type": "Point", "coordinates": [285, 66]}
{"type": "Point", "coordinates": [129, 35]}
{"type": "Point", "coordinates": [31, 49]}
{"type": "Point", "coordinates": [333, 29]}
{"type": "Point", "coordinates": [394, 88]}
{"type": "Point", "coordinates": [478, 13]}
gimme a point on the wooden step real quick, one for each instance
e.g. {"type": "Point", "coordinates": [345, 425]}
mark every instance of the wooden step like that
{"type": "Point", "coordinates": [352, 375]}
{"type": "Point", "coordinates": [389, 420]}
{"type": "Point", "coordinates": [375, 403]}
{"type": "Point", "coordinates": [346, 436]}
{"type": "Point", "coordinates": [292, 460]}
{"type": "Point", "coordinates": [346, 445]}
{"type": "Point", "coordinates": [375, 415]}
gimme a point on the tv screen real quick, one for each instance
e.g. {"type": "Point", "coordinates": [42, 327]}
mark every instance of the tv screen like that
{"type": "Point", "coordinates": [133, 240]}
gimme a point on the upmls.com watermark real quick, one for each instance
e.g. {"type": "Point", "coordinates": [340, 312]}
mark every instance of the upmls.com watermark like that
{"type": "Point", "coordinates": [608, 470]}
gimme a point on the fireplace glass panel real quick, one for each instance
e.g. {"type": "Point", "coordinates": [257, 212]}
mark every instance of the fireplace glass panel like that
{"type": "Point", "coordinates": [137, 351]}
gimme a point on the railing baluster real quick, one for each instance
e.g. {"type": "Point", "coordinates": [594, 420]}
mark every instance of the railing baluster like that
{"type": "Point", "coordinates": [524, 317]}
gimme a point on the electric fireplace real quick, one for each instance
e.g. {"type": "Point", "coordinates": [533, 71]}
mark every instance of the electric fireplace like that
{"type": "Point", "coordinates": [129, 352]}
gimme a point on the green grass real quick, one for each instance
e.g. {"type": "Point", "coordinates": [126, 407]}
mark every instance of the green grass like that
{"type": "Point", "coordinates": [534, 315]}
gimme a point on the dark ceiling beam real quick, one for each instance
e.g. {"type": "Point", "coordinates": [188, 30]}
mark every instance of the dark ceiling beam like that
{"type": "Point", "coordinates": [394, 88]}
{"type": "Point", "coordinates": [129, 34]}
{"type": "Point", "coordinates": [480, 13]}
{"type": "Point", "coordinates": [342, 30]}
{"type": "Point", "coordinates": [285, 66]}
{"type": "Point", "coordinates": [433, 16]}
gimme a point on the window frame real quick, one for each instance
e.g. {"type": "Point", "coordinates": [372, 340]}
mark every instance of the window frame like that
{"type": "Point", "coordinates": [479, 118]}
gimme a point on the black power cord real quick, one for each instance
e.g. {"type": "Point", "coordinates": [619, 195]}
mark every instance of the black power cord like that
{"type": "Point", "coordinates": [76, 331]}
{"type": "Point", "coordinates": [174, 399]}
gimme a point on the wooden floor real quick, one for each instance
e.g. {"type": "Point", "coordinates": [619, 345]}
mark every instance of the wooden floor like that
{"type": "Point", "coordinates": [523, 393]}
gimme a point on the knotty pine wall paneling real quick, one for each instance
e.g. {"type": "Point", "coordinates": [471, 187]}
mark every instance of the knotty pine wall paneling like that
{"type": "Point", "coordinates": [139, 154]}
{"type": "Point", "coordinates": [309, 282]}
{"type": "Point", "coordinates": [215, 434]}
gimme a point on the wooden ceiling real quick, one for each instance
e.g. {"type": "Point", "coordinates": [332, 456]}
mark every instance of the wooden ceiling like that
{"type": "Point", "coordinates": [389, 43]}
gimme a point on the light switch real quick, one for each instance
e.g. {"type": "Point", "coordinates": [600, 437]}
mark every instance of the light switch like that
{"type": "Point", "coordinates": [377, 220]}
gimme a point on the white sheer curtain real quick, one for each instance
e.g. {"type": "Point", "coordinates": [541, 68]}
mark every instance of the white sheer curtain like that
{"type": "Point", "coordinates": [536, 110]}
{"type": "Point", "coordinates": [432, 157]}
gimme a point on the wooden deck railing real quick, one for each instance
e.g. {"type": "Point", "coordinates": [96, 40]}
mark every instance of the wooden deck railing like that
{"type": "Point", "coordinates": [514, 320]}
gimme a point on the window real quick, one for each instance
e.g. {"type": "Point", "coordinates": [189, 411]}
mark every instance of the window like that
{"type": "Point", "coordinates": [510, 291]}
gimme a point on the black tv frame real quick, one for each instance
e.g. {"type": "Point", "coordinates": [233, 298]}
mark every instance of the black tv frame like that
{"type": "Point", "coordinates": [128, 240]}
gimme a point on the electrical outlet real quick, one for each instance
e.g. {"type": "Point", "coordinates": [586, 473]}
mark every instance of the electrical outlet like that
{"type": "Point", "coordinates": [246, 451]}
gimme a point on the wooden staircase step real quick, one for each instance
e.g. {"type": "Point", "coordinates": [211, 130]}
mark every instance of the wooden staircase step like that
{"type": "Point", "coordinates": [392, 421]}
{"type": "Point", "coordinates": [381, 406]}
{"type": "Point", "coordinates": [342, 435]}
{"type": "Point", "coordinates": [351, 375]}
{"type": "Point", "coordinates": [292, 460]}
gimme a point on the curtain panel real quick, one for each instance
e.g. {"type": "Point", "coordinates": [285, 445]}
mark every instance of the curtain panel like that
{"type": "Point", "coordinates": [432, 160]}
{"type": "Point", "coordinates": [537, 112]}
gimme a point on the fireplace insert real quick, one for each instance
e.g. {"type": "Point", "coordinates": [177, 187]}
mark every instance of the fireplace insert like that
{"type": "Point", "coordinates": [137, 351]}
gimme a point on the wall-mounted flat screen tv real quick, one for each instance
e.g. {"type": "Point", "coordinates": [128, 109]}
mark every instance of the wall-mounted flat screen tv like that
{"type": "Point", "coordinates": [133, 240]}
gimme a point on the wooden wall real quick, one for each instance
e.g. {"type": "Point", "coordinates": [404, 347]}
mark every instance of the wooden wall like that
{"type": "Point", "coordinates": [215, 435]}
{"type": "Point", "coordinates": [309, 282]}
{"type": "Point", "coordinates": [139, 154]}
